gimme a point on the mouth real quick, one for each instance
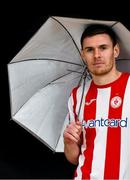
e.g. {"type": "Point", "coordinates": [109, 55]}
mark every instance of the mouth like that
{"type": "Point", "coordinates": [98, 64]}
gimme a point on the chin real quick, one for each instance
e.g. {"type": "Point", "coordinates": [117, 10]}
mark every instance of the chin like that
{"type": "Point", "coordinates": [99, 73]}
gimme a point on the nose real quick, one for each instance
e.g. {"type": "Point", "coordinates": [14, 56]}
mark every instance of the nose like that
{"type": "Point", "coordinates": [96, 53]}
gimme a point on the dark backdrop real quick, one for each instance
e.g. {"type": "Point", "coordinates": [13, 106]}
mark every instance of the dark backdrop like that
{"type": "Point", "coordinates": [21, 154]}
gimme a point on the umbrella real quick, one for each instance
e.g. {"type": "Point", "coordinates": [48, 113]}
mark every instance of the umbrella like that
{"type": "Point", "coordinates": [43, 73]}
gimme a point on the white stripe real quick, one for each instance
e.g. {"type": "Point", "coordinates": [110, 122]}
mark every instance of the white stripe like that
{"type": "Point", "coordinates": [102, 108]}
{"type": "Point", "coordinates": [70, 107]}
{"type": "Point", "coordinates": [125, 137]}
{"type": "Point", "coordinates": [81, 158]}
{"type": "Point", "coordinates": [81, 117]}
{"type": "Point", "coordinates": [79, 95]}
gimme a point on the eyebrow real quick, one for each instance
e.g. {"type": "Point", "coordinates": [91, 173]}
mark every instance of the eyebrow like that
{"type": "Point", "coordinates": [89, 47]}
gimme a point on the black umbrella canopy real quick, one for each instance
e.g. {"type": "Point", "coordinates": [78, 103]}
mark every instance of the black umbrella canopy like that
{"type": "Point", "coordinates": [43, 73]}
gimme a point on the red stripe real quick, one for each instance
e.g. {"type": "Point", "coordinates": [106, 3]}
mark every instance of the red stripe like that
{"type": "Point", "coordinates": [89, 113]}
{"type": "Point", "coordinates": [112, 161]}
{"type": "Point", "coordinates": [74, 95]}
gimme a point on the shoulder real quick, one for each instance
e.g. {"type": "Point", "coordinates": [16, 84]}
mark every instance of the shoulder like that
{"type": "Point", "coordinates": [126, 74]}
{"type": "Point", "coordinates": [80, 87]}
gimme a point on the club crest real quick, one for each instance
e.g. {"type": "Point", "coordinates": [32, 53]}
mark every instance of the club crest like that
{"type": "Point", "coordinates": [116, 102]}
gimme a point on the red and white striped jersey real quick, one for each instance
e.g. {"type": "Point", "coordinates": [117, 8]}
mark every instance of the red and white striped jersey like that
{"type": "Point", "coordinates": [105, 113]}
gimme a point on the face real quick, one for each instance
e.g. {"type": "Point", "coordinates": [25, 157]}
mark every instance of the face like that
{"type": "Point", "coordinates": [99, 54]}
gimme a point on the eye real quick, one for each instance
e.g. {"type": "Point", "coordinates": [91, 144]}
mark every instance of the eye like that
{"type": "Point", "coordinates": [89, 49]}
{"type": "Point", "coordinates": [103, 47]}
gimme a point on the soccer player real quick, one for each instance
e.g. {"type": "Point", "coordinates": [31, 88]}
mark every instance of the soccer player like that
{"type": "Point", "coordinates": [98, 140]}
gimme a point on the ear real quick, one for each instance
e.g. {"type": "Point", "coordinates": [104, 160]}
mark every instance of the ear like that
{"type": "Point", "coordinates": [82, 55]}
{"type": "Point", "coordinates": [116, 50]}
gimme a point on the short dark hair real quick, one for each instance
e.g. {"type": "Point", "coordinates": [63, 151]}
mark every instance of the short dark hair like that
{"type": "Point", "coordinates": [94, 29]}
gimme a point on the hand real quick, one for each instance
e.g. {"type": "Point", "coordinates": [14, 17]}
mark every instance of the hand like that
{"type": "Point", "coordinates": [72, 133]}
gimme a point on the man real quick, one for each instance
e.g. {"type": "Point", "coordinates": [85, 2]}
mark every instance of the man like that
{"type": "Point", "coordinates": [97, 140]}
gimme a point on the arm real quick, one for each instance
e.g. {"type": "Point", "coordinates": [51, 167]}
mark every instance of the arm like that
{"type": "Point", "coordinates": [72, 141]}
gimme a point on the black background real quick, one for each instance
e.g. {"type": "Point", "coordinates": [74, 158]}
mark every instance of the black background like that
{"type": "Point", "coordinates": [21, 154]}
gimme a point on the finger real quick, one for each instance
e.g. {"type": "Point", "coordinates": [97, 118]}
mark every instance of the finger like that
{"type": "Point", "coordinates": [79, 123]}
{"type": "Point", "coordinates": [79, 126]}
{"type": "Point", "coordinates": [73, 131]}
{"type": "Point", "coordinates": [70, 138]}
{"type": "Point", "coordinates": [75, 127]}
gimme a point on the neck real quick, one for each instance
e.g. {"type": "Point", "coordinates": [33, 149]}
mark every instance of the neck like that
{"type": "Point", "coordinates": [106, 78]}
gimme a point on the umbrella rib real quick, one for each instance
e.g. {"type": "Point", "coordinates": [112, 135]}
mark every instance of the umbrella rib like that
{"type": "Point", "coordinates": [48, 59]}
{"type": "Point", "coordinates": [115, 23]}
{"type": "Point", "coordinates": [59, 78]}
{"type": "Point", "coordinates": [69, 35]}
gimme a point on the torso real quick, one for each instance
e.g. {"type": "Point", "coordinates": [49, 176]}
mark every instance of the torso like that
{"type": "Point", "coordinates": [105, 115]}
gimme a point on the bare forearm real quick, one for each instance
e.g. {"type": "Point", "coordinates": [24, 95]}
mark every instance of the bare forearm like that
{"type": "Point", "coordinates": [72, 152]}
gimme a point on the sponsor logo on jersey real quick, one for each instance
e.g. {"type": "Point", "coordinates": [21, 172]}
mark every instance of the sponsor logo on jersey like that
{"type": "Point", "coordinates": [90, 102]}
{"type": "Point", "coordinates": [113, 123]}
